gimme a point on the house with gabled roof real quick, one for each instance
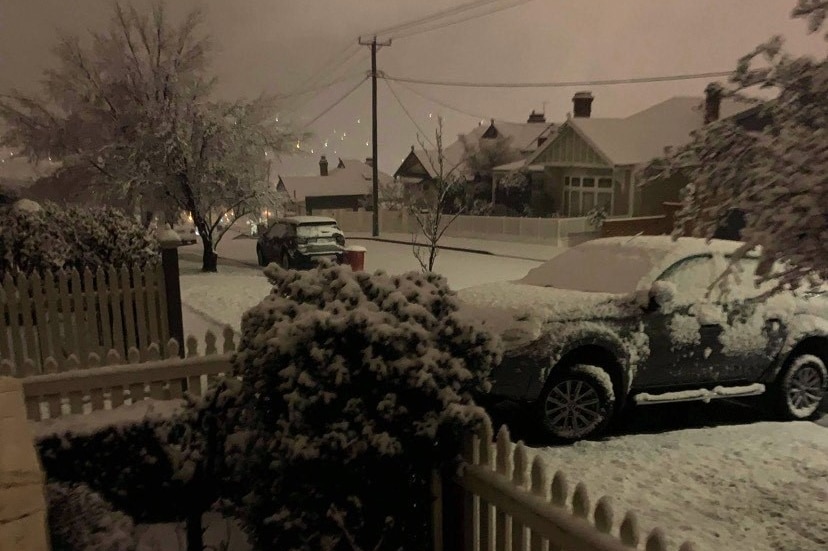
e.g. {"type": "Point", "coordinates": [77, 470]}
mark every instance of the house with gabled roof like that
{"type": "Point", "coordinates": [592, 162]}
{"type": "Point", "coordinates": [421, 165]}
{"type": "Point", "coordinates": [346, 186]}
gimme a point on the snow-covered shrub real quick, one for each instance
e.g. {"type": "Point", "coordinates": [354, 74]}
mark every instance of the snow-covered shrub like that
{"type": "Point", "coordinates": [354, 387]}
{"type": "Point", "coordinates": [56, 237]}
{"type": "Point", "coordinates": [81, 520]}
{"type": "Point", "coordinates": [127, 464]}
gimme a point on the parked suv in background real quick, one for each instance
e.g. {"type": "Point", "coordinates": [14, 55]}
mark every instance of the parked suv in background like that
{"type": "Point", "coordinates": [640, 320]}
{"type": "Point", "coordinates": [300, 241]}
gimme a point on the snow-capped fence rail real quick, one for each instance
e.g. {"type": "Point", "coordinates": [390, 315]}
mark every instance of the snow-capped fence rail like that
{"type": "Point", "coordinates": [508, 504]}
{"type": "Point", "coordinates": [70, 313]}
{"type": "Point", "coordinates": [98, 387]}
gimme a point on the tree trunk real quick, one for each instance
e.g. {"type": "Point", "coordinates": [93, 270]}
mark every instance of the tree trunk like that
{"type": "Point", "coordinates": [195, 532]}
{"type": "Point", "coordinates": [209, 258]}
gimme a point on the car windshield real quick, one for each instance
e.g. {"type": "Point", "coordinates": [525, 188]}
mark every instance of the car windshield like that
{"type": "Point", "coordinates": [596, 268]}
{"type": "Point", "coordinates": [325, 229]}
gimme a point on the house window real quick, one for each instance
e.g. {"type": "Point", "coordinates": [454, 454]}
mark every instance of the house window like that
{"type": "Point", "coordinates": [584, 193]}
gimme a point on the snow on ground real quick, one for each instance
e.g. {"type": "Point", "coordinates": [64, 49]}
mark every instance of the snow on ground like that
{"type": "Point", "coordinates": [757, 487]}
{"type": "Point", "coordinates": [223, 297]}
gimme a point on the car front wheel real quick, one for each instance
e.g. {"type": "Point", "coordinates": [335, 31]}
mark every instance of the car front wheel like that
{"type": "Point", "coordinates": [801, 387]}
{"type": "Point", "coordinates": [577, 403]}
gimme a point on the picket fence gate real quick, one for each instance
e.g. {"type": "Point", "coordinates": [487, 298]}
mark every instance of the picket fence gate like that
{"type": "Point", "coordinates": [72, 314]}
{"type": "Point", "coordinates": [109, 382]}
{"type": "Point", "coordinates": [504, 503]}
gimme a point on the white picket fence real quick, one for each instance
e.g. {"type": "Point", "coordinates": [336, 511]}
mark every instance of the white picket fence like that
{"type": "Point", "coordinates": [69, 315]}
{"type": "Point", "coordinates": [510, 505]}
{"type": "Point", "coordinates": [554, 231]}
{"type": "Point", "coordinates": [111, 382]}
{"type": "Point", "coordinates": [506, 503]}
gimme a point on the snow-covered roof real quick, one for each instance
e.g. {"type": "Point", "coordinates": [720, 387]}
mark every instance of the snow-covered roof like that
{"type": "Point", "coordinates": [349, 177]}
{"type": "Point", "coordinates": [524, 137]}
{"type": "Point", "coordinates": [643, 136]}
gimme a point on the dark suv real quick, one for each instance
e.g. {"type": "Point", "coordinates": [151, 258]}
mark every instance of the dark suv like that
{"type": "Point", "coordinates": [300, 241]}
{"type": "Point", "coordinates": [642, 320]}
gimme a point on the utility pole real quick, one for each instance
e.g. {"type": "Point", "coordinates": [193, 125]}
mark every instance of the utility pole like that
{"type": "Point", "coordinates": [374, 47]}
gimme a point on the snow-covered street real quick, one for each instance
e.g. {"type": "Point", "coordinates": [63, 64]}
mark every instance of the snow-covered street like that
{"type": "Point", "coordinates": [757, 485]}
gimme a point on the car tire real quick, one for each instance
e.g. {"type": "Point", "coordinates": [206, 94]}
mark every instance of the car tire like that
{"type": "Point", "coordinates": [801, 387]}
{"type": "Point", "coordinates": [261, 257]}
{"type": "Point", "coordinates": [285, 261]}
{"type": "Point", "coordinates": [577, 403]}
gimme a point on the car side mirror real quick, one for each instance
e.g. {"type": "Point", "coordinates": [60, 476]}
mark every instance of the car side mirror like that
{"type": "Point", "coordinates": [660, 294]}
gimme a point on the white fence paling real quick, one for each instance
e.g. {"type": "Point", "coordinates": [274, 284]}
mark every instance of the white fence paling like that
{"type": "Point", "coordinates": [82, 391]}
{"type": "Point", "coordinates": [555, 231]}
{"type": "Point", "coordinates": [509, 505]}
{"type": "Point", "coordinates": [77, 314]}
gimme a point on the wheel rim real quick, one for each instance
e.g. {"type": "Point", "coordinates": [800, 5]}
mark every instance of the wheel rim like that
{"type": "Point", "coordinates": [573, 408]}
{"type": "Point", "coordinates": [805, 391]}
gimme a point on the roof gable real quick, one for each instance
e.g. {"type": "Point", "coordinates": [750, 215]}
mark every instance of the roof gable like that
{"type": "Point", "coordinates": [642, 136]}
{"type": "Point", "coordinates": [350, 177]}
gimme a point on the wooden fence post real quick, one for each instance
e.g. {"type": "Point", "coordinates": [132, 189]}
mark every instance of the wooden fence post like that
{"type": "Point", "coordinates": [170, 242]}
{"type": "Point", "coordinates": [453, 509]}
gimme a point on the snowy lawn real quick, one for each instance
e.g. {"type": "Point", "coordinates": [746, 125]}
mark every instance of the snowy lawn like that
{"type": "Point", "coordinates": [757, 487]}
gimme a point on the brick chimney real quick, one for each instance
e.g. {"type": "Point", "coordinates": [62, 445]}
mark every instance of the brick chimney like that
{"type": "Point", "coordinates": [582, 104]}
{"type": "Point", "coordinates": [712, 102]}
{"type": "Point", "coordinates": [536, 117]}
{"type": "Point", "coordinates": [369, 161]}
{"type": "Point", "coordinates": [323, 166]}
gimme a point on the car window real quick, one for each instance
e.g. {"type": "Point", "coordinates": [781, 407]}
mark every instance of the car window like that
{"type": "Point", "coordinates": [276, 230]}
{"type": "Point", "coordinates": [692, 277]}
{"type": "Point", "coordinates": [317, 230]}
{"type": "Point", "coordinates": [741, 284]}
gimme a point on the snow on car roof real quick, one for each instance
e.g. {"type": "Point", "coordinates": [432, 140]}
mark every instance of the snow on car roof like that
{"type": "Point", "coordinates": [683, 246]}
{"type": "Point", "coordinates": [620, 265]}
{"type": "Point", "coordinates": [309, 220]}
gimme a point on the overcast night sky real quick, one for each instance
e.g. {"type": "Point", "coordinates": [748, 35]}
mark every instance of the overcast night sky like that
{"type": "Point", "coordinates": [275, 45]}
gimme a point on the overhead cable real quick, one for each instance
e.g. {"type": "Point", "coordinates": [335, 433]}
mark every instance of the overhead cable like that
{"type": "Point", "coordinates": [560, 84]}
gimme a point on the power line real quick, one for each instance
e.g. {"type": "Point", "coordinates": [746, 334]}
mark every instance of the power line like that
{"type": "Point", "coordinates": [438, 102]}
{"type": "Point", "coordinates": [323, 86]}
{"type": "Point", "coordinates": [564, 84]}
{"type": "Point", "coordinates": [431, 17]}
{"type": "Point", "coordinates": [334, 104]}
{"type": "Point", "coordinates": [301, 105]}
{"type": "Point", "coordinates": [457, 22]}
{"type": "Point", "coordinates": [348, 53]}
{"type": "Point", "coordinates": [422, 132]}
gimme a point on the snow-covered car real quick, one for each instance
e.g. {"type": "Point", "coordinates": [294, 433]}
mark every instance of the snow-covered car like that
{"type": "Point", "coordinates": [300, 241]}
{"type": "Point", "coordinates": [186, 232]}
{"type": "Point", "coordinates": [645, 320]}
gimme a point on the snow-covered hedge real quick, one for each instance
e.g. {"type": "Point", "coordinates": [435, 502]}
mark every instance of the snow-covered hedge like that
{"type": "Point", "coordinates": [354, 387]}
{"type": "Point", "coordinates": [71, 237]}
{"type": "Point", "coordinates": [81, 520]}
{"type": "Point", "coordinates": [127, 463]}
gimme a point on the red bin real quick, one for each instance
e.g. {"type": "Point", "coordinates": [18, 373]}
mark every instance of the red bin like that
{"type": "Point", "coordinates": [355, 258]}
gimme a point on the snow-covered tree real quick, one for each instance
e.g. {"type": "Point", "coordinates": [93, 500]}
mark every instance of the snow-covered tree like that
{"type": "Point", "coordinates": [774, 173]}
{"type": "Point", "coordinates": [480, 158]}
{"type": "Point", "coordinates": [135, 105]}
{"type": "Point", "coordinates": [355, 386]}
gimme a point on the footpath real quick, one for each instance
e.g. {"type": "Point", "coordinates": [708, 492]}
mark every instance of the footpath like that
{"type": "Point", "coordinates": [508, 249]}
